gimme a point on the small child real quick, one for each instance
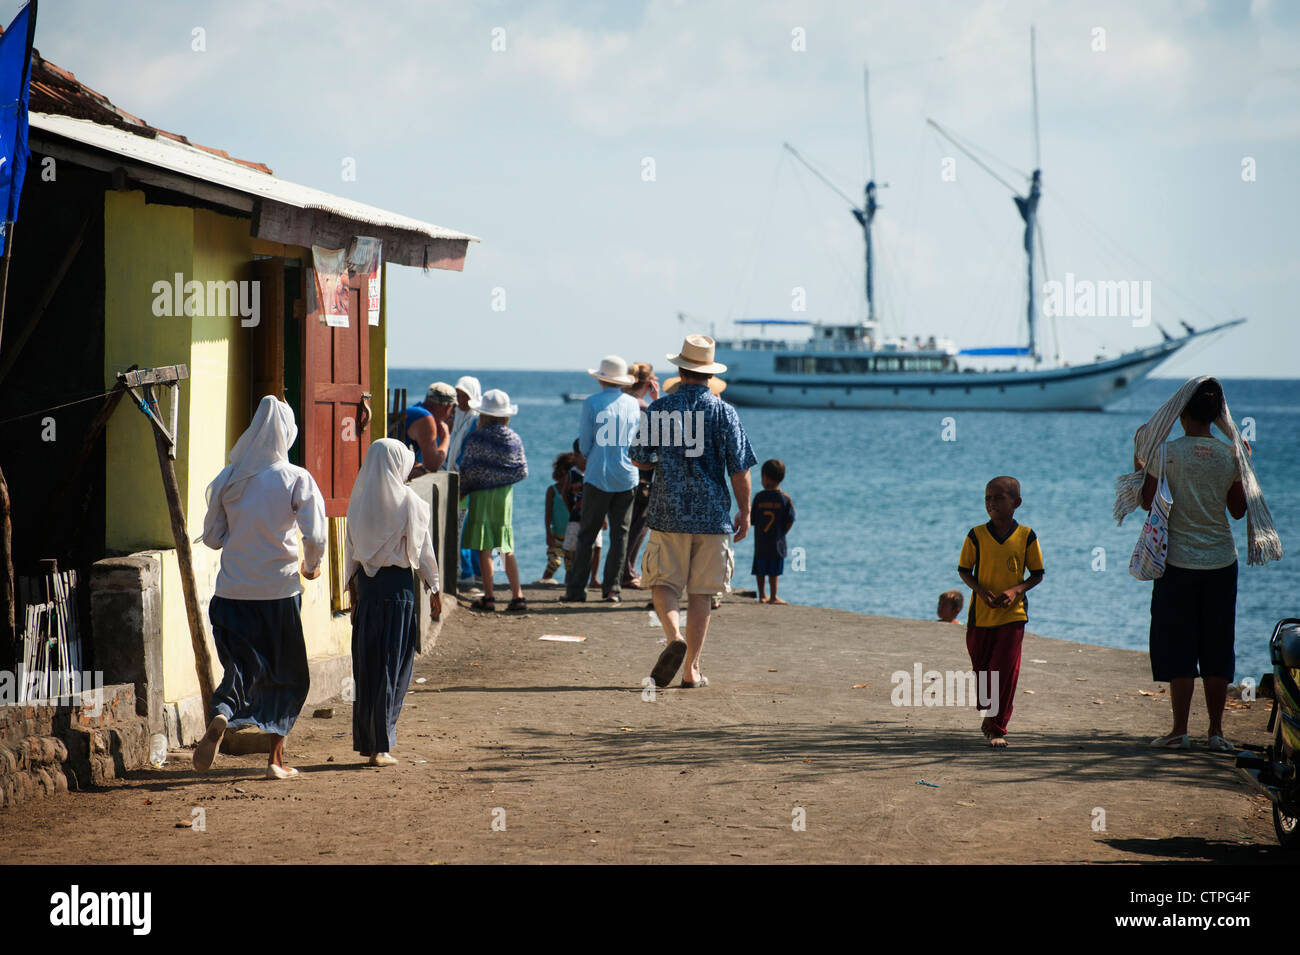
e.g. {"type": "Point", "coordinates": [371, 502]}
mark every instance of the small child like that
{"type": "Point", "coordinates": [556, 516]}
{"type": "Point", "coordinates": [993, 562]}
{"type": "Point", "coordinates": [574, 527]}
{"type": "Point", "coordinates": [772, 516]}
{"type": "Point", "coordinates": [950, 604]}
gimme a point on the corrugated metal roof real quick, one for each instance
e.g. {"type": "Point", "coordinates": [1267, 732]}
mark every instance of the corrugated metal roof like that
{"type": "Point", "coordinates": [58, 91]}
{"type": "Point", "coordinates": [196, 163]}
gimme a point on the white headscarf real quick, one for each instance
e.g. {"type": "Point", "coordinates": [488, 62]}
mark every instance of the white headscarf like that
{"type": "Point", "coordinates": [383, 509]}
{"type": "Point", "coordinates": [1262, 541]}
{"type": "Point", "coordinates": [266, 442]}
{"type": "Point", "coordinates": [465, 420]}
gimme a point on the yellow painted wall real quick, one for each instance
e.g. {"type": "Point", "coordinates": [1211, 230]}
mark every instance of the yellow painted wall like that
{"type": "Point", "coordinates": [142, 245]}
{"type": "Point", "coordinates": [145, 244]}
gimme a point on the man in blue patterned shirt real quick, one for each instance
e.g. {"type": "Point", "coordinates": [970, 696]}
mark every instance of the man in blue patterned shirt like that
{"type": "Point", "coordinates": [697, 446]}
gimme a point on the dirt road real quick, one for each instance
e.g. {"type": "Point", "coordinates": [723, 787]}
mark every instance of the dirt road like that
{"type": "Point", "coordinates": [519, 750]}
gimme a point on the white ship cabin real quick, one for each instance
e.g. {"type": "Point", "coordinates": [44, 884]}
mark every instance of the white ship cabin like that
{"type": "Point", "coordinates": [846, 349]}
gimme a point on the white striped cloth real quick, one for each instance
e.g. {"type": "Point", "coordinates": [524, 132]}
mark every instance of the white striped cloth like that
{"type": "Point", "coordinates": [1262, 541]}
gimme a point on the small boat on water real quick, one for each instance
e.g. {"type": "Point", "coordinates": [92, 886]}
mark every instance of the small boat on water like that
{"type": "Point", "coordinates": [572, 396]}
{"type": "Point", "coordinates": [853, 366]}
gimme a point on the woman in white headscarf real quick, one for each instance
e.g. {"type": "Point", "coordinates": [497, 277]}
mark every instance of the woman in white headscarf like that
{"type": "Point", "coordinates": [253, 505]}
{"type": "Point", "coordinates": [389, 535]}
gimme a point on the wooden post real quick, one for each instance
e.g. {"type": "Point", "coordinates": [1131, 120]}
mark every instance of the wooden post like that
{"type": "Point", "coordinates": [184, 557]}
{"type": "Point", "coordinates": [7, 632]}
{"type": "Point", "coordinates": [7, 609]}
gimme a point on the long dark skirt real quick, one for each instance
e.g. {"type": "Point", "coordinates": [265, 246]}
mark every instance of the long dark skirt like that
{"type": "Point", "coordinates": [260, 645]}
{"type": "Point", "coordinates": [385, 631]}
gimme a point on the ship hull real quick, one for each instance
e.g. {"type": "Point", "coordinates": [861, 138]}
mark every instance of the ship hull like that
{"type": "Point", "coordinates": [1085, 387]}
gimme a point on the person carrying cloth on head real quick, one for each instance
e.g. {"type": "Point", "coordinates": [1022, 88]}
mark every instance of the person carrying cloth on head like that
{"type": "Point", "coordinates": [389, 537]}
{"type": "Point", "coordinates": [253, 505]}
{"type": "Point", "coordinates": [1194, 601]}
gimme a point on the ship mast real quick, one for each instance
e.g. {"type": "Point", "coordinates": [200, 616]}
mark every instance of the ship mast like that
{"type": "Point", "coordinates": [1028, 205]}
{"type": "Point", "coordinates": [865, 215]}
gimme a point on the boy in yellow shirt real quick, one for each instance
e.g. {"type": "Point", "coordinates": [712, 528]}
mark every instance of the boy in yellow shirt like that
{"type": "Point", "coordinates": [994, 559]}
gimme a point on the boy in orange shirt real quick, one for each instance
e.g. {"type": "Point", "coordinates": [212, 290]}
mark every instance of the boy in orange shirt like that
{"type": "Point", "coordinates": [994, 559]}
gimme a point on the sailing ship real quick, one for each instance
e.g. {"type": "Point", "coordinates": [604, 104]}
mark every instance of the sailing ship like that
{"type": "Point", "coordinates": [853, 366]}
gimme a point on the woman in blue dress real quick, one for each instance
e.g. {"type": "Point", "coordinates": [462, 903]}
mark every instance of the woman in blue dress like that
{"type": "Point", "coordinates": [253, 507]}
{"type": "Point", "coordinates": [389, 537]}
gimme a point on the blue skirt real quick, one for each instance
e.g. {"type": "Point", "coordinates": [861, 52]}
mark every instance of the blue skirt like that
{"type": "Point", "coordinates": [385, 631]}
{"type": "Point", "coordinates": [260, 645]}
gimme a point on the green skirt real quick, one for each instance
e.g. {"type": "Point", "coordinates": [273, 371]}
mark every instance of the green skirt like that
{"type": "Point", "coordinates": [490, 521]}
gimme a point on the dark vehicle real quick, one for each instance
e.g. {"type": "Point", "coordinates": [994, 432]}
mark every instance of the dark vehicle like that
{"type": "Point", "coordinates": [1274, 773]}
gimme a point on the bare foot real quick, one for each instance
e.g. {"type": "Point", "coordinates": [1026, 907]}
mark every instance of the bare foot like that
{"type": "Point", "coordinates": [762, 599]}
{"type": "Point", "coordinates": [998, 742]}
{"type": "Point", "coordinates": [779, 601]}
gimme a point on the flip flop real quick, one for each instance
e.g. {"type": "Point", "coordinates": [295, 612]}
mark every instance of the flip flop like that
{"type": "Point", "coordinates": [206, 751]}
{"type": "Point", "coordinates": [687, 685]}
{"type": "Point", "coordinates": [1172, 742]}
{"type": "Point", "coordinates": [1221, 745]}
{"type": "Point", "coordinates": [669, 660]}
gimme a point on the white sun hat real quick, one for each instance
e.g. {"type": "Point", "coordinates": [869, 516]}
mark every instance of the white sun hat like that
{"type": "Point", "coordinates": [612, 371]}
{"type": "Point", "coordinates": [495, 404]}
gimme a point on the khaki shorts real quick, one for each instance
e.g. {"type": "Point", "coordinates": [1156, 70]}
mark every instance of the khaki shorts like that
{"type": "Point", "coordinates": [690, 563]}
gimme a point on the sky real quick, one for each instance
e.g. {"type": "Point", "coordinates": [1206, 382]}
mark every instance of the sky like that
{"type": "Point", "coordinates": [623, 163]}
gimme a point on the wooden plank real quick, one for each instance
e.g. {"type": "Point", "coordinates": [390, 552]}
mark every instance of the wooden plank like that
{"type": "Point", "coordinates": [7, 594]}
{"type": "Point", "coordinates": [291, 225]}
{"type": "Point", "coordinates": [185, 560]}
{"type": "Point", "coordinates": [163, 375]}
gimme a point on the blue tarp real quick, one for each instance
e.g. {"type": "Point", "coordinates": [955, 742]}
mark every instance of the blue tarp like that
{"type": "Point", "coordinates": [15, 82]}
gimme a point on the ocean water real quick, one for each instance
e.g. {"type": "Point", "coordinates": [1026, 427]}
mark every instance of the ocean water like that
{"type": "Point", "coordinates": [883, 502]}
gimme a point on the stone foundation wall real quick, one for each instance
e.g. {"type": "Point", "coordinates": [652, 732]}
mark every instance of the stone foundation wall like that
{"type": "Point", "coordinates": [47, 749]}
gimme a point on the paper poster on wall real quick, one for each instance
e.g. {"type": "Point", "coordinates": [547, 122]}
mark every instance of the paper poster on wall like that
{"type": "Point", "coordinates": [364, 259]}
{"type": "Point", "coordinates": [332, 284]}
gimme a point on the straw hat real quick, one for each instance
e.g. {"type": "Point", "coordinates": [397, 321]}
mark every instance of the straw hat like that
{"type": "Point", "coordinates": [697, 356]}
{"type": "Point", "coordinates": [495, 404]}
{"type": "Point", "coordinates": [612, 371]}
{"type": "Point", "coordinates": [716, 385]}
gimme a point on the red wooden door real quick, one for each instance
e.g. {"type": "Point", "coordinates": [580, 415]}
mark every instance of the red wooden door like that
{"type": "Point", "coordinates": [336, 385]}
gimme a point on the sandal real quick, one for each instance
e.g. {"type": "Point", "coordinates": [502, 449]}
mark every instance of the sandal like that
{"type": "Point", "coordinates": [1221, 745]}
{"type": "Point", "coordinates": [1183, 741]}
{"type": "Point", "coordinates": [670, 660]}
{"type": "Point", "coordinates": [484, 603]}
{"type": "Point", "coordinates": [692, 685]}
{"type": "Point", "coordinates": [518, 605]}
